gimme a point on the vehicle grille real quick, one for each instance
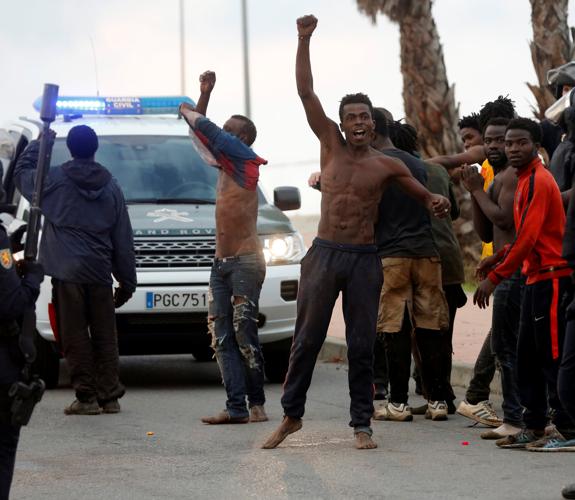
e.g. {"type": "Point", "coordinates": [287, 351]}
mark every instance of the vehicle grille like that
{"type": "Point", "coordinates": [175, 252]}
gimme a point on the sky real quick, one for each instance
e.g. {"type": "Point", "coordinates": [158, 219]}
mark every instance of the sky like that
{"type": "Point", "coordinates": [132, 47]}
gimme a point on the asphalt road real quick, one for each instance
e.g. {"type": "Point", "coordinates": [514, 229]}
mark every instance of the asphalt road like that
{"type": "Point", "coordinates": [113, 457]}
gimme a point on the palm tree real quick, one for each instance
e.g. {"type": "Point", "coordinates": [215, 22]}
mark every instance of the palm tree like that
{"type": "Point", "coordinates": [551, 46]}
{"type": "Point", "coordinates": [428, 98]}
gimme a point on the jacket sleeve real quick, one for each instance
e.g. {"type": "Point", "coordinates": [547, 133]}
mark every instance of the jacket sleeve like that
{"type": "Point", "coordinates": [16, 294]}
{"type": "Point", "coordinates": [223, 142]}
{"type": "Point", "coordinates": [25, 169]}
{"type": "Point", "coordinates": [123, 259]}
{"type": "Point", "coordinates": [533, 216]}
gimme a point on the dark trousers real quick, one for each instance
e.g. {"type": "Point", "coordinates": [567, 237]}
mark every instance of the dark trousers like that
{"type": "Point", "coordinates": [87, 329]}
{"type": "Point", "coordinates": [456, 298]}
{"type": "Point", "coordinates": [539, 350]}
{"type": "Point", "coordinates": [234, 329]}
{"type": "Point", "coordinates": [380, 369]}
{"type": "Point", "coordinates": [483, 373]}
{"type": "Point", "coordinates": [429, 344]}
{"type": "Point", "coordinates": [328, 269]}
{"type": "Point", "coordinates": [566, 377]}
{"type": "Point", "coordinates": [10, 365]}
{"type": "Point", "coordinates": [504, 331]}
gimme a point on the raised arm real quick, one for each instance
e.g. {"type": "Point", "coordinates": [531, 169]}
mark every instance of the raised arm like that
{"type": "Point", "coordinates": [475, 154]}
{"type": "Point", "coordinates": [207, 83]}
{"type": "Point", "coordinates": [316, 117]}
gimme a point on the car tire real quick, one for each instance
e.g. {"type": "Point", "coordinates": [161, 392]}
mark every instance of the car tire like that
{"type": "Point", "coordinates": [47, 363]}
{"type": "Point", "coordinates": [276, 360]}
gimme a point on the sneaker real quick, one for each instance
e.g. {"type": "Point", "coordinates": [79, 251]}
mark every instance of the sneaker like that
{"type": "Point", "coordinates": [501, 432]}
{"type": "Point", "coordinates": [482, 412]}
{"type": "Point", "coordinates": [399, 412]}
{"type": "Point", "coordinates": [519, 440]}
{"type": "Point", "coordinates": [80, 408]}
{"type": "Point", "coordinates": [555, 442]}
{"type": "Point", "coordinates": [436, 410]}
{"type": "Point", "coordinates": [111, 406]}
{"type": "Point", "coordinates": [258, 414]}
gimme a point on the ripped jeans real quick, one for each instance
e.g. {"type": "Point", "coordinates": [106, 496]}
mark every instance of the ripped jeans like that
{"type": "Point", "coordinates": [235, 285]}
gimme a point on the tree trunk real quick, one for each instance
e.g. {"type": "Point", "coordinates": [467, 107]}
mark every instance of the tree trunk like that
{"type": "Point", "coordinates": [551, 47]}
{"type": "Point", "coordinates": [428, 98]}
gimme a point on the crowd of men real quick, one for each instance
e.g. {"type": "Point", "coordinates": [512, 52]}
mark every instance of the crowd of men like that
{"type": "Point", "coordinates": [385, 241]}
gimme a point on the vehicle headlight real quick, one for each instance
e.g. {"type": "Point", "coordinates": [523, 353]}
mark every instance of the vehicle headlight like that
{"type": "Point", "coordinates": [283, 248]}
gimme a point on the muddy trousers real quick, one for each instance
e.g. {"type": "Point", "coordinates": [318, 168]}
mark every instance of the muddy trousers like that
{"type": "Point", "coordinates": [87, 330]}
{"type": "Point", "coordinates": [235, 285]}
{"type": "Point", "coordinates": [539, 351]}
{"type": "Point", "coordinates": [328, 269]}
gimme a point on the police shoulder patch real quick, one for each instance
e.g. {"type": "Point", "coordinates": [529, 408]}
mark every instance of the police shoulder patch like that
{"type": "Point", "coordinates": [6, 258]}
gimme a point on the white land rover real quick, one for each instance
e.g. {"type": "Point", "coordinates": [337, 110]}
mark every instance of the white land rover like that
{"type": "Point", "coordinates": [171, 194]}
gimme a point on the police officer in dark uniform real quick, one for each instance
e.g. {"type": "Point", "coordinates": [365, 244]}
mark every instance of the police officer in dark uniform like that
{"type": "Point", "coordinates": [19, 289]}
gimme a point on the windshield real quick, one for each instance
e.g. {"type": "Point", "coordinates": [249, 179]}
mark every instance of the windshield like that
{"type": "Point", "coordinates": [152, 169]}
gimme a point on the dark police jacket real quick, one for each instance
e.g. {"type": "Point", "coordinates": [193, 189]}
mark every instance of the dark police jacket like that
{"type": "Point", "coordinates": [87, 235]}
{"type": "Point", "coordinates": [16, 294]}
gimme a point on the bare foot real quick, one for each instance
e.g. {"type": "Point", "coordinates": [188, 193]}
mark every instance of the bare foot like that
{"type": "Point", "coordinates": [224, 418]}
{"type": "Point", "coordinates": [288, 426]}
{"type": "Point", "coordinates": [363, 441]}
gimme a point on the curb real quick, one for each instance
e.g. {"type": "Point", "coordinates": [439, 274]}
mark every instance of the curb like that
{"type": "Point", "coordinates": [334, 350]}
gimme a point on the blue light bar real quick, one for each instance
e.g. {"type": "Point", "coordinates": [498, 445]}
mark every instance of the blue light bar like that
{"type": "Point", "coordinates": [80, 105]}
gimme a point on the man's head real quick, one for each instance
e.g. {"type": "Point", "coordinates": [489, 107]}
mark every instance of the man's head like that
{"type": "Point", "coordinates": [469, 130]}
{"type": "Point", "coordinates": [243, 128]}
{"type": "Point", "coordinates": [382, 122]}
{"type": "Point", "coordinates": [356, 116]}
{"type": "Point", "coordinates": [82, 142]}
{"type": "Point", "coordinates": [502, 107]}
{"type": "Point", "coordinates": [494, 142]}
{"type": "Point", "coordinates": [404, 137]}
{"type": "Point", "coordinates": [522, 140]}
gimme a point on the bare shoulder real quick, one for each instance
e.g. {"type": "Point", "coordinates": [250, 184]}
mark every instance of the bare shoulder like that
{"type": "Point", "coordinates": [509, 178]}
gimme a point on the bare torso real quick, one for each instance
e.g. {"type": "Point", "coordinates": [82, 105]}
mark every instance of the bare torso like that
{"type": "Point", "coordinates": [236, 216]}
{"type": "Point", "coordinates": [352, 186]}
{"type": "Point", "coordinates": [504, 185]}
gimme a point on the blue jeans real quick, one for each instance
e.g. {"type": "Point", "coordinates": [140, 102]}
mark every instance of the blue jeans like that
{"type": "Point", "coordinates": [504, 332]}
{"type": "Point", "coordinates": [235, 285]}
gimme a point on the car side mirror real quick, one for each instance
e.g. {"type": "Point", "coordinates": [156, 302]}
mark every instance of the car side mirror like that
{"type": "Point", "coordinates": [287, 198]}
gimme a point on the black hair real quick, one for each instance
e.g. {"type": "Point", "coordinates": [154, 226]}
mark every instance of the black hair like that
{"type": "Point", "coordinates": [381, 122]}
{"type": "Point", "coordinates": [82, 142]}
{"type": "Point", "coordinates": [530, 126]}
{"type": "Point", "coordinates": [497, 121]}
{"type": "Point", "coordinates": [470, 121]}
{"type": "Point", "coordinates": [249, 129]}
{"type": "Point", "coordinates": [358, 98]}
{"type": "Point", "coordinates": [404, 137]}
{"type": "Point", "coordinates": [502, 107]}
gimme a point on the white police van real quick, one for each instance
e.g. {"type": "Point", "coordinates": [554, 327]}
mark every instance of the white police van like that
{"type": "Point", "coordinates": [171, 194]}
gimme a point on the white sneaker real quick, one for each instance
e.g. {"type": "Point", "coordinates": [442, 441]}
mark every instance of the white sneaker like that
{"type": "Point", "coordinates": [482, 412]}
{"type": "Point", "coordinates": [399, 412]}
{"type": "Point", "coordinates": [502, 431]}
{"type": "Point", "coordinates": [436, 410]}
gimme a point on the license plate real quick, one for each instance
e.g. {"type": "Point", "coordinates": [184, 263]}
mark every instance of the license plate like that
{"type": "Point", "coordinates": [177, 300]}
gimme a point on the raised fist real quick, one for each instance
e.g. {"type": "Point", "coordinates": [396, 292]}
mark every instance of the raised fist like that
{"type": "Point", "coordinates": [207, 82]}
{"type": "Point", "coordinates": [306, 25]}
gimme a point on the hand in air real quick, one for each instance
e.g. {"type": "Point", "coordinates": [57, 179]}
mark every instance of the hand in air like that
{"type": "Point", "coordinates": [306, 25]}
{"type": "Point", "coordinates": [481, 295]}
{"type": "Point", "coordinates": [207, 82]}
{"type": "Point", "coordinates": [440, 206]}
{"type": "Point", "coordinates": [472, 179]}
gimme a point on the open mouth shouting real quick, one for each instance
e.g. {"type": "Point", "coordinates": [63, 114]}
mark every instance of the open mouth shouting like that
{"type": "Point", "coordinates": [359, 133]}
